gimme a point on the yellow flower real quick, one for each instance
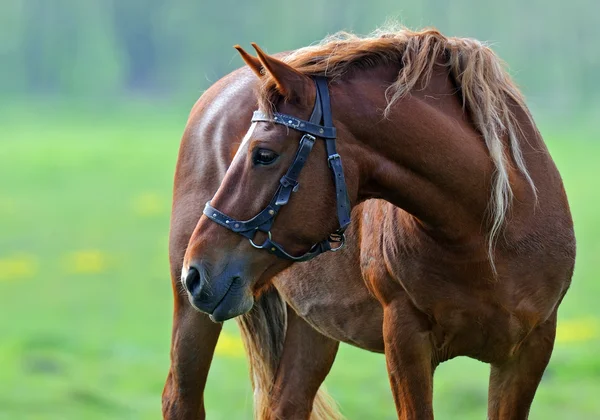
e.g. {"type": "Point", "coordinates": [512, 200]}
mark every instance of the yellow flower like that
{"type": "Point", "coordinates": [84, 262]}
{"type": "Point", "coordinates": [18, 266]}
{"type": "Point", "coordinates": [584, 329]}
{"type": "Point", "coordinates": [229, 345]}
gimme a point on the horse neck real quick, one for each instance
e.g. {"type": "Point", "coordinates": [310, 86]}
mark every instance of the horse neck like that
{"type": "Point", "coordinates": [425, 157]}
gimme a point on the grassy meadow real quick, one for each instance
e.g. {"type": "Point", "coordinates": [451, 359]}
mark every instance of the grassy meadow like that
{"type": "Point", "coordinates": [85, 295]}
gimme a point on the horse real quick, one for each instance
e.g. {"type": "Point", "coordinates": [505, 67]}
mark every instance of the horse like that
{"type": "Point", "coordinates": [461, 240]}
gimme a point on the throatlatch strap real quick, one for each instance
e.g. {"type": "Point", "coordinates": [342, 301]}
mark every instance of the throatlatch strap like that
{"type": "Point", "coordinates": [334, 160]}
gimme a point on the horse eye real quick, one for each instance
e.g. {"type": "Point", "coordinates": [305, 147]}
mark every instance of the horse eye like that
{"type": "Point", "coordinates": [264, 157]}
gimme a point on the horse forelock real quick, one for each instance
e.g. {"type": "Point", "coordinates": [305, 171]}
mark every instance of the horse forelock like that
{"type": "Point", "coordinates": [488, 93]}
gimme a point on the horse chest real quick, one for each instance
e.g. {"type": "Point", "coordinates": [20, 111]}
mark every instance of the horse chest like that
{"type": "Point", "coordinates": [336, 304]}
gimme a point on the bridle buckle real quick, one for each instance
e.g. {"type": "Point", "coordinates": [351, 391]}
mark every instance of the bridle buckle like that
{"type": "Point", "coordinates": [337, 238]}
{"type": "Point", "coordinates": [262, 246]}
{"type": "Point", "coordinates": [331, 158]}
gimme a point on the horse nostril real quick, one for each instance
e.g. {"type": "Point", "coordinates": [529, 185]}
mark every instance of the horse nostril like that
{"type": "Point", "coordinates": [192, 280]}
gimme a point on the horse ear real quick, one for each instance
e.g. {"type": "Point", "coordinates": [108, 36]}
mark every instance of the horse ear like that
{"type": "Point", "coordinates": [253, 62]}
{"type": "Point", "coordinates": [289, 81]}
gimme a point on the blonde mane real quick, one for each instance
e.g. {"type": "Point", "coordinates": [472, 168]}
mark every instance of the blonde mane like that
{"type": "Point", "coordinates": [488, 93]}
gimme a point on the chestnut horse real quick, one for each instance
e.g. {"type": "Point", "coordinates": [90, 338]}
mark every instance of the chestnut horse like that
{"type": "Point", "coordinates": [469, 250]}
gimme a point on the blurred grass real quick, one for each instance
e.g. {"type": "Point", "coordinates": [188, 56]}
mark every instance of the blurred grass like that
{"type": "Point", "coordinates": [85, 294]}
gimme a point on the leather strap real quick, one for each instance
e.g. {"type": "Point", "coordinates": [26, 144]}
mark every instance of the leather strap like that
{"type": "Point", "coordinates": [334, 160]}
{"type": "Point", "coordinates": [263, 220]}
{"type": "Point", "coordinates": [295, 123]}
{"type": "Point", "coordinates": [289, 182]}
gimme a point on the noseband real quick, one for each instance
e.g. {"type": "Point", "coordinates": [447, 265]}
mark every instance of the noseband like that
{"type": "Point", "coordinates": [320, 125]}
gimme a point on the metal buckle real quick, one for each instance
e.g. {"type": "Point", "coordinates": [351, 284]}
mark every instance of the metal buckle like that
{"type": "Point", "coordinates": [332, 157]}
{"type": "Point", "coordinates": [263, 244]}
{"type": "Point", "coordinates": [335, 237]}
{"type": "Point", "coordinates": [309, 137]}
{"type": "Point", "coordinates": [286, 181]}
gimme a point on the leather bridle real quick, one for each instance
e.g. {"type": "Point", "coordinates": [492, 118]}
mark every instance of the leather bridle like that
{"type": "Point", "coordinates": [320, 125]}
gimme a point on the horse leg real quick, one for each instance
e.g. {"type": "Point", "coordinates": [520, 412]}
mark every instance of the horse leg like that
{"type": "Point", "coordinates": [514, 382]}
{"type": "Point", "coordinates": [408, 353]}
{"type": "Point", "coordinates": [192, 346]}
{"type": "Point", "coordinates": [306, 360]}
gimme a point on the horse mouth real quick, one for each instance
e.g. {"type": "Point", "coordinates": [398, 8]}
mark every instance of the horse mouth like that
{"type": "Point", "coordinates": [235, 302]}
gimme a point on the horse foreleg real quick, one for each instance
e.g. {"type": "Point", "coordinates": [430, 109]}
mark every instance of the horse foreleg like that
{"type": "Point", "coordinates": [306, 360]}
{"type": "Point", "coordinates": [408, 353]}
{"type": "Point", "coordinates": [192, 346]}
{"type": "Point", "coordinates": [514, 382]}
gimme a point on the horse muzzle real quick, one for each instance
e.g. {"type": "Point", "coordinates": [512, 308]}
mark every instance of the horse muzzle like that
{"type": "Point", "coordinates": [222, 297]}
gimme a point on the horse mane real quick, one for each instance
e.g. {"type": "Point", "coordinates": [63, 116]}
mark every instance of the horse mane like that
{"type": "Point", "coordinates": [487, 90]}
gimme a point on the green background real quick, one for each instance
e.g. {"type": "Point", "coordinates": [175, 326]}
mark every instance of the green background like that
{"type": "Point", "coordinates": [94, 98]}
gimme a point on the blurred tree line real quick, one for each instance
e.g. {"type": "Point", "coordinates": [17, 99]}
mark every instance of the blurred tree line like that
{"type": "Point", "coordinates": [117, 48]}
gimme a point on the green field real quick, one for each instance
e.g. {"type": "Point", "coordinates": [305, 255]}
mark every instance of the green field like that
{"type": "Point", "coordinates": [85, 292]}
